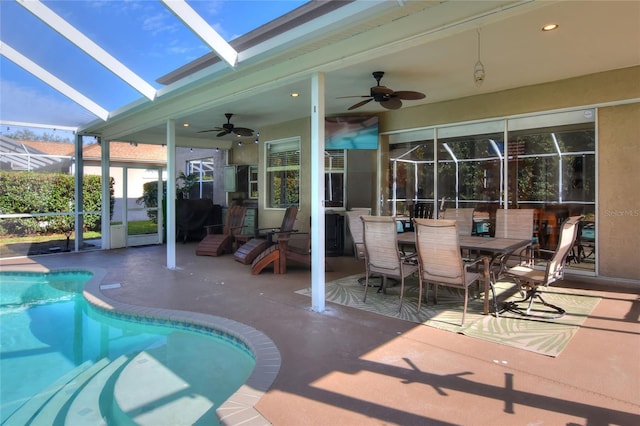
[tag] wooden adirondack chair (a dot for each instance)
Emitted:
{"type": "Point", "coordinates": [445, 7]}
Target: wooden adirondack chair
{"type": "Point", "coordinates": [291, 246]}
{"type": "Point", "coordinates": [252, 248]}
{"type": "Point", "coordinates": [219, 244]}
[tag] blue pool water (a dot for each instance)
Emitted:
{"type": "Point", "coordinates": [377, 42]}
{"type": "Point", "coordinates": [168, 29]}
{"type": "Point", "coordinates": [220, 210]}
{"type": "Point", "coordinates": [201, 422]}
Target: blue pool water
{"type": "Point", "coordinates": [63, 361]}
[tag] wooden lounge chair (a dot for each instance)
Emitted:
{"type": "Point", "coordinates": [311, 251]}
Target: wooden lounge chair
{"type": "Point", "coordinates": [291, 246]}
{"type": "Point", "coordinates": [219, 244]}
{"type": "Point", "coordinates": [252, 247]}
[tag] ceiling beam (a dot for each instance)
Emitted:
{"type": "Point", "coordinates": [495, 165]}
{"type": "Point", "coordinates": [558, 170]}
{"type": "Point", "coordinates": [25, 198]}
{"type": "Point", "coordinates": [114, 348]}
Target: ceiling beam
{"type": "Point", "coordinates": [76, 37]}
{"type": "Point", "coordinates": [202, 29]}
{"type": "Point", "coordinates": [53, 81]}
{"type": "Point", "coordinates": [38, 125]}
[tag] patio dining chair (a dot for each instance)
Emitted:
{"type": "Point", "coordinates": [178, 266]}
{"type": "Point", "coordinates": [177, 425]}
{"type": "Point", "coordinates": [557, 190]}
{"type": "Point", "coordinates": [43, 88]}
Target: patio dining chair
{"type": "Point", "coordinates": [517, 224]}
{"type": "Point", "coordinates": [382, 255]}
{"type": "Point", "coordinates": [463, 217]}
{"type": "Point", "coordinates": [531, 278]}
{"type": "Point", "coordinates": [356, 230]}
{"type": "Point", "coordinates": [440, 260]}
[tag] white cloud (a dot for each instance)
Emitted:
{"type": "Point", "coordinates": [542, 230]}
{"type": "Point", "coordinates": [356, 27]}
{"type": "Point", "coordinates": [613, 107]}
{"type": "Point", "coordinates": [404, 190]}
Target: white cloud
{"type": "Point", "coordinates": [159, 23]}
{"type": "Point", "coordinates": [26, 104]}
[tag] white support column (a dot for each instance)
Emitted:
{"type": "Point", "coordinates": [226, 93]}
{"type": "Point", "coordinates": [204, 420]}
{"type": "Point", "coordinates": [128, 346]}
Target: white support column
{"type": "Point", "coordinates": [106, 197]}
{"type": "Point", "coordinates": [317, 194]}
{"type": "Point", "coordinates": [160, 200]}
{"type": "Point", "coordinates": [170, 220]}
{"type": "Point", "coordinates": [78, 185]}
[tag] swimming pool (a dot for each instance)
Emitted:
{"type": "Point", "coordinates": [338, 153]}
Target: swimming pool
{"type": "Point", "coordinates": [65, 361]}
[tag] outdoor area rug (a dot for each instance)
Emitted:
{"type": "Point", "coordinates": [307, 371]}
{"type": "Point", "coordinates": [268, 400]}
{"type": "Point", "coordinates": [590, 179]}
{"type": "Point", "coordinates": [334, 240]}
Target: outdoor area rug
{"type": "Point", "coordinates": [544, 336]}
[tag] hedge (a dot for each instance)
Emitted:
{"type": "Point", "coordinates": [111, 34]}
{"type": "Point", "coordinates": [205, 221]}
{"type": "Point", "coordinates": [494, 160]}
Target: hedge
{"type": "Point", "coordinates": [30, 192]}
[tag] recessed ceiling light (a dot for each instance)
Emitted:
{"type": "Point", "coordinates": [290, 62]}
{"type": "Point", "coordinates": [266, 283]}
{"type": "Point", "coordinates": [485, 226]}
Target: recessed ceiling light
{"type": "Point", "coordinates": [295, 94]}
{"type": "Point", "coordinates": [550, 27]}
{"type": "Point", "coordinates": [185, 125]}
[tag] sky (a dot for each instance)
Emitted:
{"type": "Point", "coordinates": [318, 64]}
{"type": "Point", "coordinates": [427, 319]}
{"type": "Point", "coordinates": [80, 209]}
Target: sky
{"type": "Point", "coordinates": [142, 34]}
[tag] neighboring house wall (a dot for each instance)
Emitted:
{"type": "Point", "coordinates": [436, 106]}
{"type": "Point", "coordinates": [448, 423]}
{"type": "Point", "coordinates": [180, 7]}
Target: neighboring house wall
{"type": "Point", "coordinates": [219, 161]}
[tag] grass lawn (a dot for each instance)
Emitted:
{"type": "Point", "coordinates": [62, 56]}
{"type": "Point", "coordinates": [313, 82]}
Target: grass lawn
{"type": "Point", "coordinates": [53, 243]}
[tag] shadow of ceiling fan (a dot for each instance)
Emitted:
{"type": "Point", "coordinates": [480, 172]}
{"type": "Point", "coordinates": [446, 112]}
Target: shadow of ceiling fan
{"type": "Point", "coordinates": [228, 128]}
{"type": "Point", "coordinates": [385, 96]}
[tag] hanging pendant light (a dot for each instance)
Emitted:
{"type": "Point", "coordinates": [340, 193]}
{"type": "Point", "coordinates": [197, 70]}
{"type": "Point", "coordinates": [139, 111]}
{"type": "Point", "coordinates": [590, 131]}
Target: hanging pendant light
{"type": "Point", "coordinates": [478, 70]}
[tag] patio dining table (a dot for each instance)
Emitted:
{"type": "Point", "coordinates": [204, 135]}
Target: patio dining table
{"type": "Point", "coordinates": [497, 247]}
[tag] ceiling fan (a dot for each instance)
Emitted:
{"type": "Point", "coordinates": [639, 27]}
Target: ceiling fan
{"type": "Point", "coordinates": [387, 97]}
{"type": "Point", "coordinates": [228, 127]}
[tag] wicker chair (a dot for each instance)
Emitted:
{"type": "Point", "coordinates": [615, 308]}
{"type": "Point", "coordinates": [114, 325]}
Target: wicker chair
{"type": "Point", "coordinates": [440, 260]}
{"type": "Point", "coordinates": [382, 255]}
{"type": "Point", "coordinates": [529, 278]}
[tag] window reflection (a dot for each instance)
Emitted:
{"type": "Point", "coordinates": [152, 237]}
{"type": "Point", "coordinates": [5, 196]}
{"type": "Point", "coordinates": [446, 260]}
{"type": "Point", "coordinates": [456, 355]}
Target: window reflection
{"type": "Point", "coordinates": [547, 163]}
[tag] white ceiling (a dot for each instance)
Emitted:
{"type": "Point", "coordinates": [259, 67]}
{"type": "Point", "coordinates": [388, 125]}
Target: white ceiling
{"type": "Point", "coordinates": [430, 47]}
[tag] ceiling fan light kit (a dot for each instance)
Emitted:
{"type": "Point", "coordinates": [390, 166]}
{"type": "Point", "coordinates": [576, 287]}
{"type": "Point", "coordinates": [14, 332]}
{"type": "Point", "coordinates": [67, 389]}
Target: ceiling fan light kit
{"type": "Point", "coordinates": [478, 70]}
{"type": "Point", "coordinates": [386, 97]}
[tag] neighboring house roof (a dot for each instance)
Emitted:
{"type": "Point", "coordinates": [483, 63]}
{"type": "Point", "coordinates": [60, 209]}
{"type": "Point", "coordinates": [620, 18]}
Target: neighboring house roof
{"type": "Point", "coordinates": [24, 155]}
{"type": "Point", "coordinates": [50, 148]}
{"type": "Point", "coordinates": [123, 151]}
{"type": "Point", "coordinates": [119, 151]}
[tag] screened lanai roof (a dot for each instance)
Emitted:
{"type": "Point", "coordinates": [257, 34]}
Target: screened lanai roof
{"type": "Point", "coordinates": [141, 41]}
{"type": "Point", "coordinates": [429, 46]}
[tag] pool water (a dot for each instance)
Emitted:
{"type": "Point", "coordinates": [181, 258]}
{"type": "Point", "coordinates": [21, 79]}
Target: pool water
{"type": "Point", "coordinates": [64, 362]}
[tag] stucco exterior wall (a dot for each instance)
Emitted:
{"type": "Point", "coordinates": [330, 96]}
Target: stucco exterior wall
{"type": "Point", "coordinates": [618, 149]}
{"type": "Point", "coordinates": [302, 128]}
{"type": "Point", "coordinates": [618, 191]}
{"type": "Point", "coordinates": [618, 152]}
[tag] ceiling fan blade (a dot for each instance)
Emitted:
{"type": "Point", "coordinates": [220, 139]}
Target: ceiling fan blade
{"type": "Point", "coordinates": [359, 104]}
{"type": "Point", "coordinates": [381, 90]}
{"type": "Point", "coordinates": [225, 132]}
{"type": "Point", "coordinates": [215, 129]}
{"type": "Point", "coordinates": [356, 96]}
{"type": "Point", "coordinates": [409, 95]}
{"type": "Point", "coordinates": [242, 131]}
{"type": "Point", "coordinates": [393, 103]}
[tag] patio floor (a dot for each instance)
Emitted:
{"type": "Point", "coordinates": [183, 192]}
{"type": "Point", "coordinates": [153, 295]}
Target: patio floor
{"type": "Point", "coordinates": [349, 367]}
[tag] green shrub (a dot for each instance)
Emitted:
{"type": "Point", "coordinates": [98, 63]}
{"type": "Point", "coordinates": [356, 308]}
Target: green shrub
{"type": "Point", "coordinates": [30, 192]}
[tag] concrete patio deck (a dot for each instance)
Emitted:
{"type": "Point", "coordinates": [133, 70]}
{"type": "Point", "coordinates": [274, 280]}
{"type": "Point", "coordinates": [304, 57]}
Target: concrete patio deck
{"type": "Point", "coordinates": [350, 367]}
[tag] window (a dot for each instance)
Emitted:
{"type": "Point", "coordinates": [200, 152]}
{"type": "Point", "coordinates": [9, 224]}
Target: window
{"type": "Point", "coordinates": [544, 162]}
{"type": "Point", "coordinates": [282, 173]}
{"type": "Point", "coordinates": [470, 170]}
{"type": "Point", "coordinates": [410, 175]}
{"type": "Point", "coordinates": [253, 182]}
{"type": "Point", "coordinates": [203, 168]}
{"type": "Point", "coordinates": [334, 177]}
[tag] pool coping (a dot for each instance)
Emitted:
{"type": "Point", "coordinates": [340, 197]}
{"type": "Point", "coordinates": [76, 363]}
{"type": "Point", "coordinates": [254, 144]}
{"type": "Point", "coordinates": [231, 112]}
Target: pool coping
{"type": "Point", "coordinates": [239, 408]}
